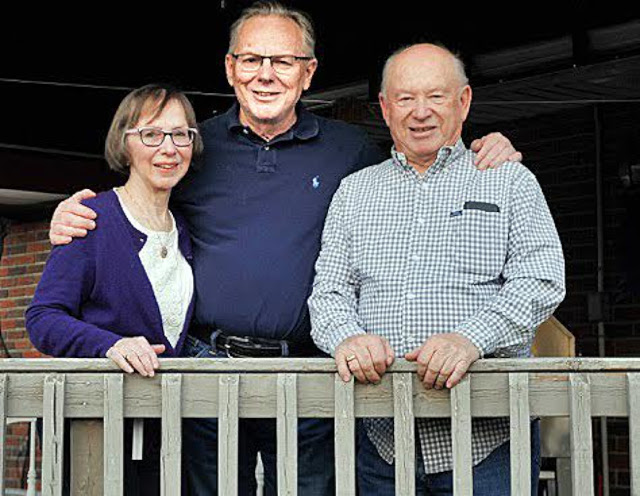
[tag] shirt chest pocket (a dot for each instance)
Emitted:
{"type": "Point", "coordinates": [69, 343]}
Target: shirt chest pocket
{"type": "Point", "coordinates": [479, 244]}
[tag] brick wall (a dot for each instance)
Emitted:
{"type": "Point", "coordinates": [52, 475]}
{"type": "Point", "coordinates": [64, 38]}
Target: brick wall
{"type": "Point", "coordinates": [25, 250]}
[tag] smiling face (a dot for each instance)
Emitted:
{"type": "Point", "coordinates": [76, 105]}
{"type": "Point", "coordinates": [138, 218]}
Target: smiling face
{"type": "Point", "coordinates": [424, 103]}
{"type": "Point", "coordinates": [268, 99]}
{"type": "Point", "coordinates": [159, 168]}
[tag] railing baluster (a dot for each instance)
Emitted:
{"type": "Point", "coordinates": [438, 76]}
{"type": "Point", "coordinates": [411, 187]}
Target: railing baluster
{"type": "Point", "coordinates": [345, 439]}
{"type": "Point", "coordinates": [287, 428]}
{"type": "Point", "coordinates": [404, 433]}
{"type": "Point", "coordinates": [113, 435]}
{"type": "Point", "coordinates": [53, 448]}
{"type": "Point", "coordinates": [461, 438]}
{"type": "Point", "coordinates": [228, 434]}
{"type": "Point", "coordinates": [520, 433]}
{"type": "Point", "coordinates": [633, 381]}
{"type": "Point", "coordinates": [171, 451]}
{"type": "Point", "coordinates": [3, 425]}
{"type": "Point", "coordinates": [581, 442]}
{"type": "Point", "coordinates": [32, 474]}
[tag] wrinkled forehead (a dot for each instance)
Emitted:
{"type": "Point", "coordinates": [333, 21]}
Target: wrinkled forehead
{"type": "Point", "coordinates": [269, 35]}
{"type": "Point", "coordinates": [419, 72]}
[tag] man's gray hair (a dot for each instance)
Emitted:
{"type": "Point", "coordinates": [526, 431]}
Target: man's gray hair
{"type": "Point", "coordinates": [268, 8]}
{"type": "Point", "coordinates": [457, 62]}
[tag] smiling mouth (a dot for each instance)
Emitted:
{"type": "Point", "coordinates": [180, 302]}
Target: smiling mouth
{"type": "Point", "coordinates": [265, 94]}
{"type": "Point", "coordinates": [166, 166]}
{"type": "Point", "coordinates": [421, 129]}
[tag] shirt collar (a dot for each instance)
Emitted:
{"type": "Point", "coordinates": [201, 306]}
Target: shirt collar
{"type": "Point", "coordinates": [447, 155]}
{"type": "Point", "coordinates": [305, 127]}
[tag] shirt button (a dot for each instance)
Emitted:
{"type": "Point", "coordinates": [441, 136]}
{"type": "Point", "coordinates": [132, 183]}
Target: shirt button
{"type": "Point", "coordinates": [425, 186]}
{"type": "Point", "coordinates": [141, 240]}
{"type": "Point", "coordinates": [415, 258]}
{"type": "Point", "coordinates": [245, 131]}
{"type": "Point", "coordinates": [266, 148]}
{"type": "Point", "coordinates": [420, 220]}
{"type": "Point", "coordinates": [410, 296]}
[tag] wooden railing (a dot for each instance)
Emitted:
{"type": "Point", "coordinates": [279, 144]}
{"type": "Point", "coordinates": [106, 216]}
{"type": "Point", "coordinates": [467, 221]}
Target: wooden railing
{"type": "Point", "coordinates": [287, 389]}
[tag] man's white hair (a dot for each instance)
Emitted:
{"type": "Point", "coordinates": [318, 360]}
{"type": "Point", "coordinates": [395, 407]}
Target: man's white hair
{"type": "Point", "coordinates": [268, 8]}
{"type": "Point", "coordinates": [457, 63]}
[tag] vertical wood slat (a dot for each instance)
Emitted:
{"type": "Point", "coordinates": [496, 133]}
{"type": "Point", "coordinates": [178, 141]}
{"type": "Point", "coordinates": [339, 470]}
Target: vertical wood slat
{"type": "Point", "coordinates": [113, 435]}
{"type": "Point", "coordinates": [53, 436]}
{"type": "Point", "coordinates": [581, 440]}
{"type": "Point", "coordinates": [520, 433]}
{"type": "Point", "coordinates": [633, 382]}
{"type": "Point", "coordinates": [287, 429]}
{"type": "Point", "coordinates": [461, 438]}
{"type": "Point", "coordinates": [404, 433]}
{"type": "Point", "coordinates": [3, 425]}
{"type": "Point", "coordinates": [228, 434]}
{"type": "Point", "coordinates": [345, 442]}
{"type": "Point", "coordinates": [171, 451]}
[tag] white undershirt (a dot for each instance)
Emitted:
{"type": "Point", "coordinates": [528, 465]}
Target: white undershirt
{"type": "Point", "coordinates": [171, 277]}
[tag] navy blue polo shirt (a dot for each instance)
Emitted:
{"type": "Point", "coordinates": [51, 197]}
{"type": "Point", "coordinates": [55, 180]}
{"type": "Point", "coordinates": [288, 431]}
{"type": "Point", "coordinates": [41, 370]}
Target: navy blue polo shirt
{"type": "Point", "coordinates": [255, 210]}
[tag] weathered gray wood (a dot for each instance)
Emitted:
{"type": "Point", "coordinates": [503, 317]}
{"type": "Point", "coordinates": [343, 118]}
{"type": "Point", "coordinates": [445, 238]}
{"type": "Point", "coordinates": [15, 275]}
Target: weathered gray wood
{"type": "Point", "coordinates": [53, 436]}
{"type": "Point", "coordinates": [87, 457]}
{"type": "Point", "coordinates": [287, 430]}
{"type": "Point", "coordinates": [3, 425]}
{"type": "Point", "coordinates": [228, 434]}
{"type": "Point", "coordinates": [113, 435]}
{"type": "Point", "coordinates": [404, 433]}
{"type": "Point", "coordinates": [520, 433]}
{"type": "Point", "coordinates": [581, 444]}
{"type": "Point", "coordinates": [345, 437]}
{"type": "Point", "coordinates": [171, 452]}
{"type": "Point", "coordinates": [634, 432]}
{"type": "Point", "coordinates": [310, 365]}
{"type": "Point", "coordinates": [549, 396]}
{"type": "Point", "coordinates": [461, 438]}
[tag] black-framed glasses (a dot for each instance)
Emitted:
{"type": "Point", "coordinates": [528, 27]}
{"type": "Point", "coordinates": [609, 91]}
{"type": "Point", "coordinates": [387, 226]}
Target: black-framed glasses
{"type": "Point", "coordinates": [154, 136]}
{"type": "Point", "coordinates": [282, 64]}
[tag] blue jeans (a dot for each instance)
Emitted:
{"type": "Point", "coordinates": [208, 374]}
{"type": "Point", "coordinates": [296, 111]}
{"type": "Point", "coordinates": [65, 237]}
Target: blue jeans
{"type": "Point", "coordinates": [491, 477]}
{"type": "Point", "coordinates": [200, 450]}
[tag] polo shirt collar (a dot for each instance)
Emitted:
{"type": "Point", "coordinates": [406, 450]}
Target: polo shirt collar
{"type": "Point", "coordinates": [305, 127]}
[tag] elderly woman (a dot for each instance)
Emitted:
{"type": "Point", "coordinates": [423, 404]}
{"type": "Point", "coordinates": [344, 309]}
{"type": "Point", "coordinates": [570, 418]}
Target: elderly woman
{"type": "Point", "coordinates": [126, 290]}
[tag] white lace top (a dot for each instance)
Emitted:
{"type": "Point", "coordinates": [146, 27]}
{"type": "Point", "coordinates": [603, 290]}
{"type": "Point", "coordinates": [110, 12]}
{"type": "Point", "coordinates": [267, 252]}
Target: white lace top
{"type": "Point", "coordinates": [171, 277]}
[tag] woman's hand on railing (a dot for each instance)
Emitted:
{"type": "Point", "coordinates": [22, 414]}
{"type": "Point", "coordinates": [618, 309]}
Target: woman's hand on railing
{"type": "Point", "coordinates": [136, 354]}
{"type": "Point", "coordinates": [366, 356]}
{"type": "Point", "coordinates": [443, 359]}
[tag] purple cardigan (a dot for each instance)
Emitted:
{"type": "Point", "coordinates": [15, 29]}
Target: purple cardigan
{"type": "Point", "coordinates": [94, 291]}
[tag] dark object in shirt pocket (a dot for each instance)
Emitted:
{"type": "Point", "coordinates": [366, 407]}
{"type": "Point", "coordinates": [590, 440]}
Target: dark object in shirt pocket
{"type": "Point", "coordinates": [485, 207]}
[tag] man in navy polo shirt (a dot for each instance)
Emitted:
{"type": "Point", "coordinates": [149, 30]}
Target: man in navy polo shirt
{"type": "Point", "coordinates": [255, 209]}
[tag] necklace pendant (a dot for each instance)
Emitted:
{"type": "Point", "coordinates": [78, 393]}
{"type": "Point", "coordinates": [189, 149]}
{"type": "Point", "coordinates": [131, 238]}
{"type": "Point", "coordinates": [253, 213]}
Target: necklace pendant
{"type": "Point", "coordinates": [163, 252]}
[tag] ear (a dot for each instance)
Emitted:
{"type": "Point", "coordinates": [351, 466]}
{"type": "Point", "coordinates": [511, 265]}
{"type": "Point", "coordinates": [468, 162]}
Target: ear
{"type": "Point", "coordinates": [309, 71]}
{"type": "Point", "coordinates": [229, 63]}
{"type": "Point", "coordinates": [465, 101]}
{"type": "Point", "coordinates": [384, 106]}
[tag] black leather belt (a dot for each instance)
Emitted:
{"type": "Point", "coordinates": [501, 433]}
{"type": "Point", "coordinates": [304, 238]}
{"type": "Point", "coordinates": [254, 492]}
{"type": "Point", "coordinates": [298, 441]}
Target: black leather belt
{"type": "Point", "coordinates": [251, 347]}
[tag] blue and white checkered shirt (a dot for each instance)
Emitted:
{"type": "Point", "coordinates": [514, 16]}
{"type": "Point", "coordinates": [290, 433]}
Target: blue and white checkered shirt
{"type": "Point", "coordinates": [407, 255]}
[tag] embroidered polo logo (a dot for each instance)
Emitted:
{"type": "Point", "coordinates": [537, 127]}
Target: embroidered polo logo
{"type": "Point", "coordinates": [315, 182]}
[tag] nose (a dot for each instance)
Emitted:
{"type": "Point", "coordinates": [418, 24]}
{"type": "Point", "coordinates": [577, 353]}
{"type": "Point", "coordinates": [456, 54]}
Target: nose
{"type": "Point", "coordinates": [167, 147]}
{"type": "Point", "coordinates": [266, 72]}
{"type": "Point", "coordinates": [422, 109]}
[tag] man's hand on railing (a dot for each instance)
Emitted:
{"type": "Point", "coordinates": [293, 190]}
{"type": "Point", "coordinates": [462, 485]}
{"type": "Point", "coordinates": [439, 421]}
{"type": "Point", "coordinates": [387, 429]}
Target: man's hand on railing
{"type": "Point", "coordinates": [72, 219]}
{"type": "Point", "coordinates": [366, 356]}
{"type": "Point", "coordinates": [136, 354]}
{"type": "Point", "coordinates": [443, 359]}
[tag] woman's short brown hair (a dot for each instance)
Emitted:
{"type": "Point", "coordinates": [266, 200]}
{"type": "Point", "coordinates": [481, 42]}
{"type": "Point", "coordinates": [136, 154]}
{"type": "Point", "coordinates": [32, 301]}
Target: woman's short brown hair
{"type": "Point", "coordinates": [128, 114]}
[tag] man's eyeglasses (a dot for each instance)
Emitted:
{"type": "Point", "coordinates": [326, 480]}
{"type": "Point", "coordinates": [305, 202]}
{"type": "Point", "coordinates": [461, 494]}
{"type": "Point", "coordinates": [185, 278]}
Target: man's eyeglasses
{"type": "Point", "coordinates": [282, 64]}
{"type": "Point", "coordinates": [154, 136]}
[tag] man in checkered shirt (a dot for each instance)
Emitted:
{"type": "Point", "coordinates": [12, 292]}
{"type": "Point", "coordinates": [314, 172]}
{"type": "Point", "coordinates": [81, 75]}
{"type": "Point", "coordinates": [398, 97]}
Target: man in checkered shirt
{"type": "Point", "coordinates": [426, 257]}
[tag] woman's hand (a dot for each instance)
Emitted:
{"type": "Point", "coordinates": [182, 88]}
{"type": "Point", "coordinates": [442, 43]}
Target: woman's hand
{"type": "Point", "coordinates": [136, 354]}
